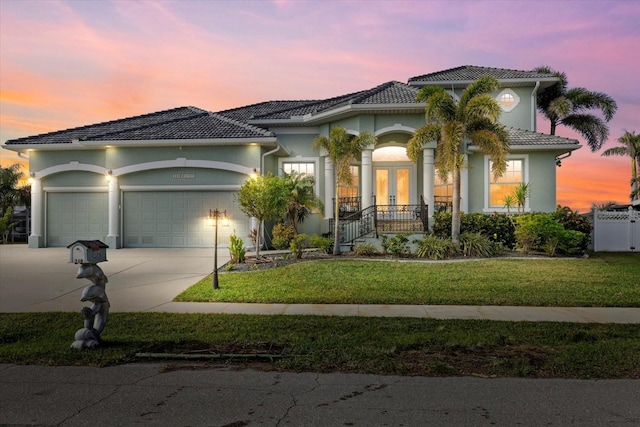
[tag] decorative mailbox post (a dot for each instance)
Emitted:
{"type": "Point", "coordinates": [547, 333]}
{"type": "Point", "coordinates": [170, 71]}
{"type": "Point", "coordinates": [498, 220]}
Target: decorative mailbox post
{"type": "Point", "coordinates": [88, 253]}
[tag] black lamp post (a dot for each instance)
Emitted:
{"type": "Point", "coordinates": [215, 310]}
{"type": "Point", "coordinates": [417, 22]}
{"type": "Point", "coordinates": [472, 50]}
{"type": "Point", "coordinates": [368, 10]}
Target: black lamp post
{"type": "Point", "coordinates": [214, 215]}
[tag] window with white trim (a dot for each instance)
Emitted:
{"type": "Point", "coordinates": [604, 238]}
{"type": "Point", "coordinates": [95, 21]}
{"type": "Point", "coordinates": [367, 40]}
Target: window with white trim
{"type": "Point", "coordinates": [505, 185]}
{"type": "Point", "coordinates": [303, 168]}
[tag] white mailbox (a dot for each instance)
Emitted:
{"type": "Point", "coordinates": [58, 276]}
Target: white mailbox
{"type": "Point", "coordinates": [87, 252]}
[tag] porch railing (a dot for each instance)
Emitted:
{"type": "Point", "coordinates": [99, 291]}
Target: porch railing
{"type": "Point", "coordinates": [381, 219]}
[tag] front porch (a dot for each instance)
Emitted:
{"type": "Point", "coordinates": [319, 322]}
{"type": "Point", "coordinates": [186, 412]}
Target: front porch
{"type": "Point", "coordinates": [355, 222]}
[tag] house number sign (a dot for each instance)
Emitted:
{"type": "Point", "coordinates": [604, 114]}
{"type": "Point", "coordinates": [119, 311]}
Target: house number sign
{"type": "Point", "coordinates": [184, 175]}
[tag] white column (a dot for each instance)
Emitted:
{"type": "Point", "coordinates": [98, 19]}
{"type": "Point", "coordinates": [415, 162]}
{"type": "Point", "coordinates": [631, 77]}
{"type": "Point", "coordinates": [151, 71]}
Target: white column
{"type": "Point", "coordinates": [113, 236]}
{"type": "Point", "coordinates": [464, 185]}
{"type": "Point", "coordinates": [329, 188]}
{"type": "Point", "coordinates": [35, 238]}
{"type": "Point", "coordinates": [428, 178]}
{"type": "Point", "coordinates": [367, 178]}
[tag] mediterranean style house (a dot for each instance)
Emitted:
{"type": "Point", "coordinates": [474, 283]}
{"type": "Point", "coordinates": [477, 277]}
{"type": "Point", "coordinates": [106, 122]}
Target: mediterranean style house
{"type": "Point", "coordinates": [151, 180]}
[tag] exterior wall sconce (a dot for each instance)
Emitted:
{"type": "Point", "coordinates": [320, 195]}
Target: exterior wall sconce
{"type": "Point", "coordinates": [216, 216]}
{"type": "Point", "coordinates": [108, 175]}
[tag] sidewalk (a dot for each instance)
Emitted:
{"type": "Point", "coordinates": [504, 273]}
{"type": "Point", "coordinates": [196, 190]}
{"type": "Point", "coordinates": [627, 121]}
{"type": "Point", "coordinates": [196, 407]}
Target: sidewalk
{"type": "Point", "coordinates": [40, 280]}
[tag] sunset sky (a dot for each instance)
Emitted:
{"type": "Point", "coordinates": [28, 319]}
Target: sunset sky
{"type": "Point", "coordinates": [71, 63]}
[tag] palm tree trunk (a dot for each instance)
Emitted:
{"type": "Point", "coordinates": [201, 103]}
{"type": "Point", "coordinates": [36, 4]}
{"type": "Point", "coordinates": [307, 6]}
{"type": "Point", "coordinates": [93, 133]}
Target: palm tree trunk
{"type": "Point", "coordinates": [455, 208]}
{"type": "Point", "coordinates": [634, 181]}
{"type": "Point", "coordinates": [336, 212]}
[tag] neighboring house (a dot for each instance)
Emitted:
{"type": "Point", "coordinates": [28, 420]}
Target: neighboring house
{"type": "Point", "coordinates": [150, 180]}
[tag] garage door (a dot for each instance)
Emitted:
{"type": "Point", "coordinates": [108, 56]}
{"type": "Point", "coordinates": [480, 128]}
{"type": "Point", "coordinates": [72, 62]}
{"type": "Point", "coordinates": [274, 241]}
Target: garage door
{"type": "Point", "coordinates": [76, 216]}
{"type": "Point", "coordinates": [165, 219]}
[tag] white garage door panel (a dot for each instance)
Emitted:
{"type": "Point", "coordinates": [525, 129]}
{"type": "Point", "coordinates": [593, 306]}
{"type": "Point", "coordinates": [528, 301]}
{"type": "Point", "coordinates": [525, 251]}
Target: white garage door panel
{"type": "Point", "coordinates": [178, 218]}
{"type": "Point", "coordinates": [76, 216]}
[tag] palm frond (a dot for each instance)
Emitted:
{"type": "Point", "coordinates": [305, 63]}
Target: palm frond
{"type": "Point", "coordinates": [584, 99]}
{"type": "Point", "coordinates": [592, 128]}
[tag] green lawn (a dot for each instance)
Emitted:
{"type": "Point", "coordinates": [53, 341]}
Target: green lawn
{"type": "Point", "coordinates": [602, 280]}
{"type": "Point", "coordinates": [396, 346]}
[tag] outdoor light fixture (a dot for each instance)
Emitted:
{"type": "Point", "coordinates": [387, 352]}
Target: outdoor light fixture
{"type": "Point", "coordinates": [214, 216]}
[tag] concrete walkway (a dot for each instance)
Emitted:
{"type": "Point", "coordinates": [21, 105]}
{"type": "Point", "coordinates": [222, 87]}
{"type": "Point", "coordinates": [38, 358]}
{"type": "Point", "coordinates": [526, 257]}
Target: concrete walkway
{"type": "Point", "coordinates": [38, 280]}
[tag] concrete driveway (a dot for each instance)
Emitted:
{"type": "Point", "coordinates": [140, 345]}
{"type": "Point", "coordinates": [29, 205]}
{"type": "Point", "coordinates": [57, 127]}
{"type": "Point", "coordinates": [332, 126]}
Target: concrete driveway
{"type": "Point", "coordinates": [42, 279]}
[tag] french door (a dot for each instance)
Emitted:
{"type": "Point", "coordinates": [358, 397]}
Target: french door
{"type": "Point", "coordinates": [394, 185]}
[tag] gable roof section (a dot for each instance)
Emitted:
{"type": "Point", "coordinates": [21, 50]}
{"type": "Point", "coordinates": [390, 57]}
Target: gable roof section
{"type": "Point", "coordinates": [466, 74]}
{"type": "Point", "coordinates": [388, 95]}
{"type": "Point", "coordinates": [179, 123]}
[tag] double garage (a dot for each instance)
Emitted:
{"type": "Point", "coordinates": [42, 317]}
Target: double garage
{"type": "Point", "coordinates": [148, 219]}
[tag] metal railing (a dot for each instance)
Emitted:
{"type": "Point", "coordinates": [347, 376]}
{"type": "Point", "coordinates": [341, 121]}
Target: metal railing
{"type": "Point", "coordinates": [381, 218]}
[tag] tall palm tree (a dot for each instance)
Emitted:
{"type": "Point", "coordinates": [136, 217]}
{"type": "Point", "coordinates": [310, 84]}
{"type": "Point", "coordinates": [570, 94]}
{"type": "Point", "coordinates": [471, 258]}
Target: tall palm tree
{"type": "Point", "coordinates": [302, 198]}
{"type": "Point", "coordinates": [452, 124]}
{"type": "Point", "coordinates": [630, 147]}
{"type": "Point", "coordinates": [568, 107]}
{"type": "Point", "coordinates": [343, 149]}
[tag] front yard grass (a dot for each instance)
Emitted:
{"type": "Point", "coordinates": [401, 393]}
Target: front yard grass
{"type": "Point", "coordinates": [602, 280]}
{"type": "Point", "coordinates": [386, 346]}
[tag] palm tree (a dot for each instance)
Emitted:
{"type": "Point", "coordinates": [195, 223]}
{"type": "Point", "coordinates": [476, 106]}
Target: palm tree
{"type": "Point", "coordinates": [452, 124]}
{"type": "Point", "coordinates": [630, 147]}
{"type": "Point", "coordinates": [343, 149]}
{"type": "Point", "coordinates": [10, 194]}
{"type": "Point", "coordinates": [302, 198]}
{"type": "Point", "coordinates": [568, 107]}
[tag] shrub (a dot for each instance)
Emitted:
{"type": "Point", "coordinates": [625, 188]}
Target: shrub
{"type": "Point", "coordinates": [283, 234]}
{"type": "Point", "coordinates": [298, 244]}
{"type": "Point", "coordinates": [476, 245]}
{"type": "Point", "coordinates": [236, 249]}
{"type": "Point", "coordinates": [397, 245]}
{"type": "Point", "coordinates": [366, 249]}
{"type": "Point", "coordinates": [573, 221]}
{"type": "Point", "coordinates": [540, 231]}
{"type": "Point", "coordinates": [434, 247]}
{"type": "Point", "coordinates": [323, 243]}
{"type": "Point", "coordinates": [497, 227]}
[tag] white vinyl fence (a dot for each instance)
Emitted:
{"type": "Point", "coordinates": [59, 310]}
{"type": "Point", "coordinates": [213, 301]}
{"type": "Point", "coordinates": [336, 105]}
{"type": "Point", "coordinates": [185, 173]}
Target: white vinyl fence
{"type": "Point", "coordinates": [616, 231]}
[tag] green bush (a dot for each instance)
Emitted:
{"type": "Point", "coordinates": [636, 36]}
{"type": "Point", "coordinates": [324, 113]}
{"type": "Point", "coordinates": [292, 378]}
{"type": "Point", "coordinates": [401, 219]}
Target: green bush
{"type": "Point", "coordinates": [366, 249]}
{"type": "Point", "coordinates": [236, 249]}
{"type": "Point", "coordinates": [434, 247]}
{"type": "Point", "coordinates": [573, 221]}
{"type": "Point", "coordinates": [397, 245]}
{"type": "Point", "coordinates": [283, 234]}
{"type": "Point", "coordinates": [476, 245]}
{"type": "Point", "coordinates": [323, 243]}
{"type": "Point", "coordinates": [497, 227]}
{"type": "Point", "coordinates": [298, 244]}
{"type": "Point", "coordinates": [541, 232]}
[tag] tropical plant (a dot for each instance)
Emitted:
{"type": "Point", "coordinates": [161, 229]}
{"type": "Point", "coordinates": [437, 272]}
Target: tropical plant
{"type": "Point", "coordinates": [453, 125]}
{"type": "Point", "coordinates": [521, 194]}
{"type": "Point", "coordinates": [264, 198]}
{"type": "Point", "coordinates": [569, 107]}
{"type": "Point", "coordinates": [366, 249]}
{"type": "Point", "coordinates": [476, 245]}
{"type": "Point", "coordinates": [10, 193]}
{"type": "Point", "coordinates": [433, 247]}
{"type": "Point", "coordinates": [236, 249]}
{"type": "Point", "coordinates": [302, 198]}
{"type": "Point", "coordinates": [630, 146]}
{"type": "Point", "coordinates": [509, 203]}
{"type": "Point", "coordinates": [282, 235]}
{"type": "Point", "coordinates": [6, 225]}
{"type": "Point", "coordinates": [397, 245]}
{"type": "Point", "coordinates": [342, 149]}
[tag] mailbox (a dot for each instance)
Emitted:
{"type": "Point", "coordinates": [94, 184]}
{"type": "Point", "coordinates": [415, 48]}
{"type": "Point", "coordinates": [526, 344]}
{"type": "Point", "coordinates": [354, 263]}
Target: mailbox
{"type": "Point", "coordinates": [87, 252]}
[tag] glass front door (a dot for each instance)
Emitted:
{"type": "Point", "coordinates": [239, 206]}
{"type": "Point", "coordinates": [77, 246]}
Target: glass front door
{"type": "Point", "coordinates": [393, 185]}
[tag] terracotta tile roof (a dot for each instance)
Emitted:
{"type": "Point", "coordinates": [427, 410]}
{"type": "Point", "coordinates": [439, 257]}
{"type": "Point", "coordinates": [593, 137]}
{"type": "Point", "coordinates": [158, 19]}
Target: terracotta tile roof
{"type": "Point", "coordinates": [467, 73]}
